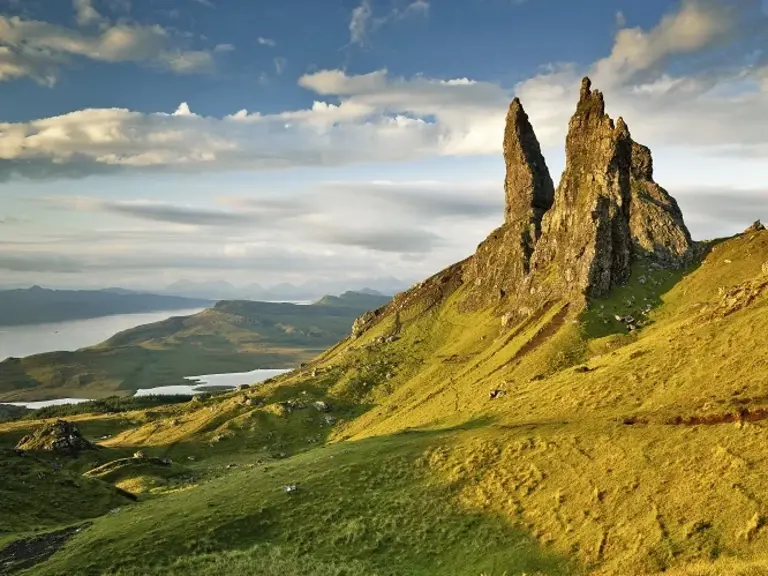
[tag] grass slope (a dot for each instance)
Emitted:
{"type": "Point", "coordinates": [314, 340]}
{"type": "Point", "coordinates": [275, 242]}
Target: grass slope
{"type": "Point", "coordinates": [607, 453]}
{"type": "Point", "coordinates": [233, 336]}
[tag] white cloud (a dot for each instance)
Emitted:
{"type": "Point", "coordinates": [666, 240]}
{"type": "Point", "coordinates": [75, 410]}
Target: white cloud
{"type": "Point", "coordinates": [341, 228]}
{"type": "Point", "coordinates": [266, 42]}
{"type": "Point", "coordinates": [224, 48]}
{"type": "Point", "coordinates": [419, 7]}
{"type": "Point", "coordinates": [38, 49]}
{"type": "Point", "coordinates": [362, 20]}
{"type": "Point", "coordinates": [378, 118]}
{"type": "Point", "coordinates": [280, 64]}
{"type": "Point", "coordinates": [697, 25]}
{"type": "Point", "coordinates": [85, 13]}
{"type": "Point", "coordinates": [359, 22]}
{"type": "Point", "coordinates": [183, 110]}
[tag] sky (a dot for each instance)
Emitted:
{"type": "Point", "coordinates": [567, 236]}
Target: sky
{"type": "Point", "coordinates": [268, 141]}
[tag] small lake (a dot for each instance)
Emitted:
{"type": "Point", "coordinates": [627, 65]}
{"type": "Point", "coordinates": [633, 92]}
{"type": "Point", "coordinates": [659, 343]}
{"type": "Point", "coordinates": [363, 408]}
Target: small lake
{"type": "Point", "coordinates": [199, 384]}
{"type": "Point", "coordinates": [204, 382]}
{"type": "Point", "coordinates": [20, 341]}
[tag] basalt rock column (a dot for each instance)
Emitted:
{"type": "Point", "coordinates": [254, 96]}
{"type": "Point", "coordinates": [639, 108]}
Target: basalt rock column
{"type": "Point", "coordinates": [502, 260]}
{"type": "Point", "coordinates": [585, 244]}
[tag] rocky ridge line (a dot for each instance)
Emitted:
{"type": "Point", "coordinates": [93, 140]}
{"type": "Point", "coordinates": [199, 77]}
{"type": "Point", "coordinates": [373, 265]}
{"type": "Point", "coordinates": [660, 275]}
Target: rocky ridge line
{"type": "Point", "coordinates": [574, 242]}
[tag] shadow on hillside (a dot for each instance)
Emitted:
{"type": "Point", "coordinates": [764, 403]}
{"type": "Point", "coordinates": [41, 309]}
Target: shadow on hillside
{"type": "Point", "coordinates": [377, 501]}
{"type": "Point", "coordinates": [627, 308]}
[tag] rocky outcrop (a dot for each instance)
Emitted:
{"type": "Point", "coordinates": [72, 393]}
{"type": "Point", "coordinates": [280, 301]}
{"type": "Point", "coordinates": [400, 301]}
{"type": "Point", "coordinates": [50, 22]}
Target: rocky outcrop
{"type": "Point", "coordinates": [655, 220]}
{"type": "Point", "coordinates": [503, 259]}
{"type": "Point", "coordinates": [572, 243]}
{"type": "Point", "coordinates": [61, 437]}
{"type": "Point", "coordinates": [756, 227]}
{"type": "Point", "coordinates": [419, 299]}
{"type": "Point", "coordinates": [585, 244]}
{"type": "Point", "coordinates": [608, 210]}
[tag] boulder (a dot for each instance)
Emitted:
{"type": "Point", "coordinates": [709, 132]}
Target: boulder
{"type": "Point", "coordinates": [756, 227]}
{"type": "Point", "coordinates": [60, 437]}
{"type": "Point", "coordinates": [322, 406]}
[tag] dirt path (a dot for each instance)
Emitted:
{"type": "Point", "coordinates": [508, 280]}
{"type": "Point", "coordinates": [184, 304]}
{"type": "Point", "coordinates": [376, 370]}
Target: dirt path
{"type": "Point", "coordinates": [29, 552]}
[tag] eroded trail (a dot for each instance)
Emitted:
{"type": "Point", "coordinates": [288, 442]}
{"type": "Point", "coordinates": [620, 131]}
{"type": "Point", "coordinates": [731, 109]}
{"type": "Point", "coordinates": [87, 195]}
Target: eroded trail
{"type": "Point", "coordinates": [29, 552]}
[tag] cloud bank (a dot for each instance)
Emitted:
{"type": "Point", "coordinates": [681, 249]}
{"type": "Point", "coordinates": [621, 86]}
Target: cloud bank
{"type": "Point", "coordinates": [39, 49]}
{"type": "Point", "coordinates": [714, 116]}
{"type": "Point", "coordinates": [378, 117]}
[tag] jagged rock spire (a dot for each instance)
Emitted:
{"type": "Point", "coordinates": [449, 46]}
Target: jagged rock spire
{"type": "Point", "coordinates": [528, 187]}
{"type": "Point", "coordinates": [586, 234]}
{"type": "Point", "coordinates": [566, 244]}
{"type": "Point", "coordinates": [607, 210]}
{"type": "Point", "coordinates": [502, 261]}
{"type": "Point", "coordinates": [583, 237]}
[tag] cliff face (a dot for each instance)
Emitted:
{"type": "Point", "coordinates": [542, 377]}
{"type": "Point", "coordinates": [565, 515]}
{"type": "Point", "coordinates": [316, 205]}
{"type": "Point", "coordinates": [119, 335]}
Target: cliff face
{"type": "Point", "coordinates": [586, 245]}
{"type": "Point", "coordinates": [577, 241]}
{"type": "Point", "coordinates": [503, 259]}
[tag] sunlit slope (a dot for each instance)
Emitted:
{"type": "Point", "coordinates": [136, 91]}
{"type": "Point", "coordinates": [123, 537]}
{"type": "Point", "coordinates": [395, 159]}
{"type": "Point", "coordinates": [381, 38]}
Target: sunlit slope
{"type": "Point", "coordinates": [618, 454]}
{"type": "Point", "coordinates": [633, 452]}
{"type": "Point", "coordinates": [699, 353]}
{"type": "Point", "coordinates": [586, 394]}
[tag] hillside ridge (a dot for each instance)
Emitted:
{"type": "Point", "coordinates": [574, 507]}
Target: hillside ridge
{"type": "Point", "coordinates": [571, 243]}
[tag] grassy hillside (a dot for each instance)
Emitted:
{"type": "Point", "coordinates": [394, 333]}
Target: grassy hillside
{"type": "Point", "coordinates": [233, 336]}
{"type": "Point", "coordinates": [38, 305]}
{"type": "Point", "coordinates": [606, 452]}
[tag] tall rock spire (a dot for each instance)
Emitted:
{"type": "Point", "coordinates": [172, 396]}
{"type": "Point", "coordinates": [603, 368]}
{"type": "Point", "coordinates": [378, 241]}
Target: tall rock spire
{"type": "Point", "coordinates": [528, 187]}
{"type": "Point", "coordinates": [586, 234]}
{"type": "Point", "coordinates": [568, 244]}
{"type": "Point", "coordinates": [502, 261]}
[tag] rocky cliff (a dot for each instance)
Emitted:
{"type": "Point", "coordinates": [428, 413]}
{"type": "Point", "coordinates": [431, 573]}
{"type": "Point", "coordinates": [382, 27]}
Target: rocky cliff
{"type": "Point", "coordinates": [572, 243]}
{"type": "Point", "coordinates": [503, 259]}
{"type": "Point", "coordinates": [608, 211]}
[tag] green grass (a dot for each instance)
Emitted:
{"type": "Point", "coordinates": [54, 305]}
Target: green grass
{"type": "Point", "coordinates": [608, 454]}
{"type": "Point", "coordinates": [369, 505]}
{"type": "Point", "coordinates": [262, 559]}
{"type": "Point", "coordinates": [34, 496]}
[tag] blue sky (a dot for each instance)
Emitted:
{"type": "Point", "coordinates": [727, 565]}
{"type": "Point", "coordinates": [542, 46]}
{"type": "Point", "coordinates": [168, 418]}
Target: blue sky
{"type": "Point", "coordinates": [263, 141]}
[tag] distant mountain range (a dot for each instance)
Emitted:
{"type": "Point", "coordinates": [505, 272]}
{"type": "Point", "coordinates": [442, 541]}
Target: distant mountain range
{"type": "Point", "coordinates": [38, 305]}
{"type": "Point", "coordinates": [223, 290]}
{"type": "Point", "coordinates": [284, 292]}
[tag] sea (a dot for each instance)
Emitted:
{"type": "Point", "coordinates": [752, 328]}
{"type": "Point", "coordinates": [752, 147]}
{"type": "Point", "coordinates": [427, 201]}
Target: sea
{"type": "Point", "coordinates": [20, 341]}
